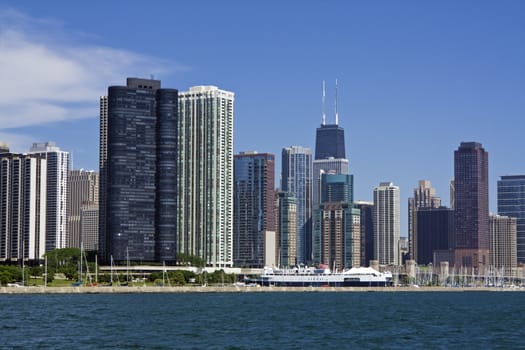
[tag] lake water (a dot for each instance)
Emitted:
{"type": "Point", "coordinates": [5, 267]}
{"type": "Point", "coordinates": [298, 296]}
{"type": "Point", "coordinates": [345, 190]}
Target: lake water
{"type": "Point", "coordinates": [373, 320]}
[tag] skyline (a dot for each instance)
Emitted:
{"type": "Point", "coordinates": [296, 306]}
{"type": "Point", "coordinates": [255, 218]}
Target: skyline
{"type": "Point", "coordinates": [419, 78]}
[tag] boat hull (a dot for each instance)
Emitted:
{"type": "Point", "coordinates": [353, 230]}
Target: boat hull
{"type": "Point", "coordinates": [263, 282]}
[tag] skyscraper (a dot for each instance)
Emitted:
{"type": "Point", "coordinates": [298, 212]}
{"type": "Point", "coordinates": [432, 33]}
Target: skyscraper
{"type": "Point", "coordinates": [325, 166]}
{"type": "Point", "coordinates": [296, 177]}
{"type": "Point", "coordinates": [471, 183]}
{"type": "Point", "coordinates": [424, 197]}
{"type": "Point", "coordinates": [89, 226]}
{"type": "Point", "coordinates": [23, 205]}
{"type": "Point", "coordinates": [103, 237]}
{"type": "Point", "coordinates": [253, 206]}
{"type": "Point", "coordinates": [435, 231]}
{"type": "Point", "coordinates": [204, 174]}
{"type": "Point", "coordinates": [329, 152]}
{"type": "Point", "coordinates": [386, 223]}
{"type": "Point", "coordinates": [83, 191]}
{"type": "Point", "coordinates": [330, 138]}
{"type": "Point", "coordinates": [137, 172]}
{"type": "Point", "coordinates": [503, 242]}
{"type": "Point", "coordinates": [330, 142]}
{"type": "Point", "coordinates": [287, 229]}
{"type": "Point", "coordinates": [336, 240]}
{"type": "Point", "coordinates": [511, 202]}
{"type": "Point", "coordinates": [56, 207]}
{"type": "Point", "coordinates": [366, 222]}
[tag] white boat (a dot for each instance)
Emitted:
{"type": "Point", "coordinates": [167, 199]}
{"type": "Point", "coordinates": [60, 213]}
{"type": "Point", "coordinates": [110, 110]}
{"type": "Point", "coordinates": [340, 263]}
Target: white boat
{"type": "Point", "coordinates": [317, 277]}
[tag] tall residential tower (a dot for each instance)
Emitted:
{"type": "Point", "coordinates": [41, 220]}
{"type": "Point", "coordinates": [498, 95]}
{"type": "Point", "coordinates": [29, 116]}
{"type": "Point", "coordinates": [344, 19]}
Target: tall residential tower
{"type": "Point", "coordinates": [253, 206]}
{"type": "Point", "coordinates": [83, 192]}
{"type": "Point", "coordinates": [296, 177]}
{"type": "Point", "coordinates": [56, 213]}
{"type": "Point", "coordinates": [511, 202]}
{"type": "Point", "coordinates": [23, 205]}
{"type": "Point", "coordinates": [204, 174]}
{"type": "Point", "coordinates": [137, 172]}
{"type": "Point", "coordinates": [386, 223]}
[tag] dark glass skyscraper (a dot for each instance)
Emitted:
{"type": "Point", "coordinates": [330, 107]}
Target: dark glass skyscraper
{"type": "Point", "coordinates": [330, 142]}
{"type": "Point", "coordinates": [137, 169]}
{"type": "Point", "coordinates": [367, 231]}
{"type": "Point", "coordinates": [435, 231]}
{"type": "Point", "coordinates": [471, 180]}
{"type": "Point", "coordinates": [511, 202]}
{"type": "Point", "coordinates": [253, 206]}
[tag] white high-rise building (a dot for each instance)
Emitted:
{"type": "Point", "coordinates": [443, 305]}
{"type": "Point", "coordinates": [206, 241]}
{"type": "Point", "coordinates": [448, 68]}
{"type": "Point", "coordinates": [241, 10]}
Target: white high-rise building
{"type": "Point", "coordinates": [503, 251]}
{"type": "Point", "coordinates": [204, 174]}
{"type": "Point", "coordinates": [23, 199]}
{"type": "Point", "coordinates": [386, 223]}
{"type": "Point", "coordinates": [57, 172]}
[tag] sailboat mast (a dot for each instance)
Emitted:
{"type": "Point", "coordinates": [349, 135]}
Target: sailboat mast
{"type": "Point", "coordinates": [45, 272]}
{"type": "Point", "coordinates": [81, 251]}
{"type": "Point", "coordinates": [127, 264]}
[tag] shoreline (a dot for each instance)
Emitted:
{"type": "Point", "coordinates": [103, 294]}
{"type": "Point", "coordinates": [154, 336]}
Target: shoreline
{"type": "Point", "coordinates": [238, 289]}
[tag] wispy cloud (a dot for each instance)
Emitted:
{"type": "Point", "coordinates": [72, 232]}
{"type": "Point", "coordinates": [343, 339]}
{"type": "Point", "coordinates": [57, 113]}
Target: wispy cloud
{"type": "Point", "coordinates": [48, 76]}
{"type": "Point", "coordinates": [17, 143]}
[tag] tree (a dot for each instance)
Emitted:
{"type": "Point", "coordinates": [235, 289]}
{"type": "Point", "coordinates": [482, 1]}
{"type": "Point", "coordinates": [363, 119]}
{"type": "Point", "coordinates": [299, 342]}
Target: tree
{"type": "Point", "coordinates": [184, 259]}
{"type": "Point", "coordinates": [177, 277]}
{"type": "Point", "coordinates": [61, 260]}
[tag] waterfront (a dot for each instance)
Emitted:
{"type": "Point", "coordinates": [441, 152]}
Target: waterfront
{"type": "Point", "coordinates": [263, 320]}
{"type": "Point", "coordinates": [240, 289]}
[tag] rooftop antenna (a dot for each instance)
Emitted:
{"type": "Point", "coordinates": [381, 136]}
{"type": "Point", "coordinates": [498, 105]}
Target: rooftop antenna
{"type": "Point", "coordinates": [336, 114]}
{"type": "Point", "coordinates": [324, 95]}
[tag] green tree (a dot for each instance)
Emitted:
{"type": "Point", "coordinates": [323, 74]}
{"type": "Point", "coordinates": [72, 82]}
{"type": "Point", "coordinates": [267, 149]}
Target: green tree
{"type": "Point", "coordinates": [6, 277]}
{"type": "Point", "coordinates": [177, 278]}
{"type": "Point", "coordinates": [50, 275]}
{"type": "Point", "coordinates": [36, 271]}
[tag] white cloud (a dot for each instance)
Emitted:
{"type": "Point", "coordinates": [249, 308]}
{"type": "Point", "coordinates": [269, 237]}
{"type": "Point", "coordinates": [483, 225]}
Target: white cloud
{"type": "Point", "coordinates": [16, 143]}
{"type": "Point", "coordinates": [47, 79]}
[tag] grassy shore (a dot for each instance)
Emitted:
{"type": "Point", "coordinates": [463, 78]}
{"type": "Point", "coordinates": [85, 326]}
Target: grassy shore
{"type": "Point", "coordinates": [235, 289]}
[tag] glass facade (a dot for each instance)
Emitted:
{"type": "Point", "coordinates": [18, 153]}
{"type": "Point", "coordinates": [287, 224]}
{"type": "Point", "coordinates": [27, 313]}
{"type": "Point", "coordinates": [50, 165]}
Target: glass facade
{"type": "Point", "coordinates": [253, 207]}
{"type": "Point", "coordinates": [337, 188]}
{"type": "Point", "coordinates": [511, 202]}
{"type": "Point", "coordinates": [139, 172]}
{"type": "Point", "coordinates": [287, 229]}
{"type": "Point", "coordinates": [435, 231]}
{"type": "Point", "coordinates": [330, 142]}
{"type": "Point", "coordinates": [296, 177]}
{"type": "Point", "coordinates": [325, 166]}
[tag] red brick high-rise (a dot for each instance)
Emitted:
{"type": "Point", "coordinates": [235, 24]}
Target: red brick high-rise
{"type": "Point", "coordinates": [471, 180]}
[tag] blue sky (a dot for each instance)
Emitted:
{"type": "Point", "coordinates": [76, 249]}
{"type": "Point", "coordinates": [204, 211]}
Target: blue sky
{"type": "Point", "coordinates": [415, 77]}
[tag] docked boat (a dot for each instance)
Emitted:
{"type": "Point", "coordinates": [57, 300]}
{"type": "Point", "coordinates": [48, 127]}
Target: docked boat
{"type": "Point", "coordinates": [321, 277]}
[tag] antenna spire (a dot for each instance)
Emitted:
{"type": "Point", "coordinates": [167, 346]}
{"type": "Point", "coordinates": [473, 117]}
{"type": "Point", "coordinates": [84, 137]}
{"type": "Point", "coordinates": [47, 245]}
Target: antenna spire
{"type": "Point", "coordinates": [336, 114]}
{"type": "Point", "coordinates": [324, 95]}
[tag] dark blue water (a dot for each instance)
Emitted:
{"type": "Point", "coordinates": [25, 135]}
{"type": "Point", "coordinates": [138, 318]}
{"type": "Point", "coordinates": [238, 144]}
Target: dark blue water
{"type": "Point", "coordinates": [374, 320]}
